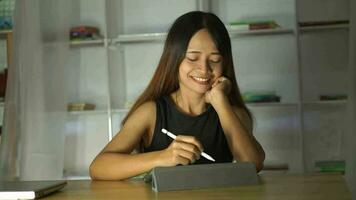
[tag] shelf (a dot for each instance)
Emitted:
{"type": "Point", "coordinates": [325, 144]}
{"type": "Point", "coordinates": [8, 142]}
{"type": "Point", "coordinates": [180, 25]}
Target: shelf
{"type": "Point", "coordinates": [324, 27]}
{"type": "Point", "coordinates": [4, 32]}
{"type": "Point", "coordinates": [98, 112]}
{"type": "Point", "coordinates": [277, 31]}
{"type": "Point", "coordinates": [81, 43]}
{"type": "Point", "coordinates": [144, 37]}
{"type": "Point", "coordinates": [88, 112]}
{"type": "Point", "coordinates": [272, 104]}
{"type": "Point", "coordinates": [331, 102]}
{"type": "Point", "coordinates": [159, 37]}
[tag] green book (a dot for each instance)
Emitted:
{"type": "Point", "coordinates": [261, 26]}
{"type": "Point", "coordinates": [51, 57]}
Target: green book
{"type": "Point", "coordinates": [331, 166]}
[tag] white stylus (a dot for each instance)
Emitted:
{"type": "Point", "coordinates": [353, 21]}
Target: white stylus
{"type": "Point", "coordinates": [171, 135]}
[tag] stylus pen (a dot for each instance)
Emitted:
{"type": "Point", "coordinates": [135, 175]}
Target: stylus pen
{"type": "Point", "coordinates": [171, 135]}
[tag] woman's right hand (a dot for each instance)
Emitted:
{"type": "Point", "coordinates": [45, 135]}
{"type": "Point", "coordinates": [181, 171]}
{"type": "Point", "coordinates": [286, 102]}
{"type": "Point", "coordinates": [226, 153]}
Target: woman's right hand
{"type": "Point", "coordinates": [182, 151]}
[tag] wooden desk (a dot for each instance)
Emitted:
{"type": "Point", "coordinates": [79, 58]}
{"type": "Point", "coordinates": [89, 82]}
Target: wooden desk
{"type": "Point", "coordinates": [331, 186]}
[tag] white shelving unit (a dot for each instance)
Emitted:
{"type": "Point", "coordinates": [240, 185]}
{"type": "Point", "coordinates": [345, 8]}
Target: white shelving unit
{"type": "Point", "coordinates": [324, 66]}
{"type": "Point", "coordinates": [87, 132]}
{"type": "Point", "coordinates": [115, 70]}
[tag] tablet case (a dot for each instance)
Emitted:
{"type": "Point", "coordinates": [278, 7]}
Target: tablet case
{"type": "Point", "coordinates": [203, 176]}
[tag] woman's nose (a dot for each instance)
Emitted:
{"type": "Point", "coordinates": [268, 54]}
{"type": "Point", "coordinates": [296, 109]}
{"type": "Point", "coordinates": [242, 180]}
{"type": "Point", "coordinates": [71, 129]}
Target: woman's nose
{"type": "Point", "coordinates": [204, 66]}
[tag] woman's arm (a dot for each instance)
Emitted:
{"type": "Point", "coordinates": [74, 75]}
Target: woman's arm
{"type": "Point", "coordinates": [237, 127]}
{"type": "Point", "coordinates": [116, 162]}
{"type": "Point", "coordinates": [238, 131]}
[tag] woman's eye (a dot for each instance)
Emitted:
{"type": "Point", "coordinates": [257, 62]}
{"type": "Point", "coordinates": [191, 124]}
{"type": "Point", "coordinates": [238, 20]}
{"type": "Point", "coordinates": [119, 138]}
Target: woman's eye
{"type": "Point", "coordinates": [192, 59]}
{"type": "Point", "coordinates": [215, 61]}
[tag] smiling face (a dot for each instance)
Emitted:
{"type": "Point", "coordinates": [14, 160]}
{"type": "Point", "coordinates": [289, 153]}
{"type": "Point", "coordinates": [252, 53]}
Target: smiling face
{"type": "Point", "coordinates": [202, 63]}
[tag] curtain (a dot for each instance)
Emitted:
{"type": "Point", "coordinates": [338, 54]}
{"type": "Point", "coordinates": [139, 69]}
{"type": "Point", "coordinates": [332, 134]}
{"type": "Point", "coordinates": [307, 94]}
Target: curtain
{"type": "Point", "coordinates": [32, 145]}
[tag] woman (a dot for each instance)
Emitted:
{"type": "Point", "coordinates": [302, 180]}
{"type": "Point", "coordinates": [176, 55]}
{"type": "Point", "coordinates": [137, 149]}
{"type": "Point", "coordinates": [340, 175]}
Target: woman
{"type": "Point", "coordinates": [194, 94]}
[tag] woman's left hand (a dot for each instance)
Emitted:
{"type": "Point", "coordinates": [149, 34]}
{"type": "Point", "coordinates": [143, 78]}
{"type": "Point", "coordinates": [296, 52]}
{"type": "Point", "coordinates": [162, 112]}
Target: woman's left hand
{"type": "Point", "coordinates": [219, 90]}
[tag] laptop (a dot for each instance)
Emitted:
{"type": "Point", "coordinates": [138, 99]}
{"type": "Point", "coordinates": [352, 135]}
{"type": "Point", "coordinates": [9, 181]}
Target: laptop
{"type": "Point", "coordinates": [28, 189]}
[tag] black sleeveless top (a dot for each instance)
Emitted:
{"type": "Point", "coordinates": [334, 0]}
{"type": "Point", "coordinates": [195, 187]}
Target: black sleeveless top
{"type": "Point", "coordinates": [205, 127]}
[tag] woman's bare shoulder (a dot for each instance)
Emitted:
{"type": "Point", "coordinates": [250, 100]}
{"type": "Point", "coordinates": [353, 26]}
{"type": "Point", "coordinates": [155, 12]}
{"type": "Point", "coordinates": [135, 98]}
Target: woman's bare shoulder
{"type": "Point", "coordinates": [147, 108]}
{"type": "Point", "coordinates": [137, 126]}
{"type": "Point", "coordinates": [144, 114]}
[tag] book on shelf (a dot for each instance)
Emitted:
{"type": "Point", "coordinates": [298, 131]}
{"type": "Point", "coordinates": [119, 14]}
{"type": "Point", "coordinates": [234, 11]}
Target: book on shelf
{"type": "Point", "coordinates": [84, 33]}
{"type": "Point", "coordinates": [253, 25]}
{"type": "Point", "coordinates": [260, 97]}
{"type": "Point", "coordinates": [5, 23]}
{"type": "Point", "coordinates": [3, 81]}
{"type": "Point", "coordinates": [333, 97]}
{"type": "Point", "coordinates": [80, 106]}
{"type": "Point", "coordinates": [330, 166]}
{"type": "Point", "coordinates": [323, 23]}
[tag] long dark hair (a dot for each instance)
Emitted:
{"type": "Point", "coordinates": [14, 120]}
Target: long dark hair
{"type": "Point", "coordinates": [165, 79]}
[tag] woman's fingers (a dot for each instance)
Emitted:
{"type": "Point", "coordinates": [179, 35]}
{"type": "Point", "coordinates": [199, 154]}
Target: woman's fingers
{"type": "Point", "coordinates": [190, 140]}
{"type": "Point", "coordinates": [222, 83]}
{"type": "Point", "coordinates": [194, 151]}
{"type": "Point", "coordinates": [183, 150]}
{"type": "Point", "coordinates": [216, 82]}
{"type": "Point", "coordinates": [184, 157]}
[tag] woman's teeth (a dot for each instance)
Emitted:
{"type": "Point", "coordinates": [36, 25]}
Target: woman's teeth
{"type": "Point", "coordinates": [201, 79]}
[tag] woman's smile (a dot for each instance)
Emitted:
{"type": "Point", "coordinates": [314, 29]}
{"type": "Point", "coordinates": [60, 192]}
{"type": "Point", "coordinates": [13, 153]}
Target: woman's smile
{"type": "Point", "coordinates": [201, 80]}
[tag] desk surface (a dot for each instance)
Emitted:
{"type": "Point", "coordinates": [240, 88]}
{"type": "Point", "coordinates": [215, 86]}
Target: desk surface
{"type": "Point", "coordinates": [316, 186]}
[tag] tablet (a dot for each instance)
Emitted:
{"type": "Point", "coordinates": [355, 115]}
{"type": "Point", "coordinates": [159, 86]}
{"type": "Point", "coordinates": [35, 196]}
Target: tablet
{"type": "Point", "coordinates": [28, 189]}
{"type": "Point", "coordinates": [204, 176]}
